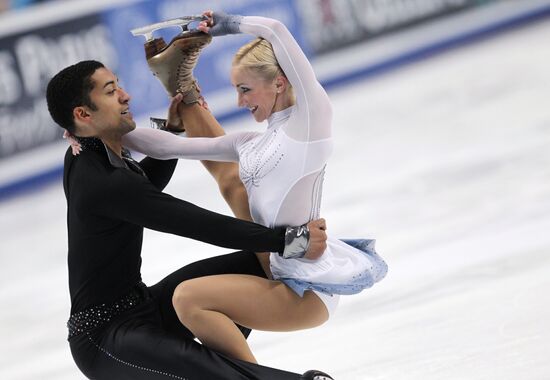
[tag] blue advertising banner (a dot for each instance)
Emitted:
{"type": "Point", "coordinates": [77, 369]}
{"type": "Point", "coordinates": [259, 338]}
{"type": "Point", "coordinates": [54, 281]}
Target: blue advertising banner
{"type": "Point", "coordinates": [332, 24]}
{"type": "Point", "coordinates": [28, 60]}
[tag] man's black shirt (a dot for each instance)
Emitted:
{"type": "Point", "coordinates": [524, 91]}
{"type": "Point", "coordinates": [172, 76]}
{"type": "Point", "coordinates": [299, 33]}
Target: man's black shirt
{"type": "Point", "coordinates": [109, 203]}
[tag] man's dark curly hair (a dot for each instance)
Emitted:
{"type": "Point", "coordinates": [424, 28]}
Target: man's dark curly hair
{"type": "Point", "coordinates": [71, 88]}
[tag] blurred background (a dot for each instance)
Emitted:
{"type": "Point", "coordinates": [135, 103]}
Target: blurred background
{"type": "Point", "coordinates": [346, 40]}
{"type": "Point", "coordinates": [442, 128]}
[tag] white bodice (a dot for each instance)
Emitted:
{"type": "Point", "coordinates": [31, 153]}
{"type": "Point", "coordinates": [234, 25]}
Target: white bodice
{"type": "Point", "coordinates": [282, 176]}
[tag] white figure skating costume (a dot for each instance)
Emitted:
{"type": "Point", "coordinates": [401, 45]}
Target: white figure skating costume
{"type": "Point", "coordinates": [282, 170]}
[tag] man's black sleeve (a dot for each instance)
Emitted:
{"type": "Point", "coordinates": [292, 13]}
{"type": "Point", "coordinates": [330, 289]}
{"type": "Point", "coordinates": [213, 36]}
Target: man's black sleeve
{"type": "Point", "coordinates": [159, 172]}
{"type": "Point", "coordinates": [124, 195]}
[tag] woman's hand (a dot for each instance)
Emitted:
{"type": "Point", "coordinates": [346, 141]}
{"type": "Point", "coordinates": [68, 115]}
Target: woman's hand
{"type": "Point", "coordinates": [75, 145]}
{"type": "Point", "coordinates": [220, 23]}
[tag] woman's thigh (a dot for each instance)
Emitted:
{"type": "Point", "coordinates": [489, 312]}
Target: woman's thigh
{"type": "Point", "coordinates": [235, 263]}
{"type": "Point", "coordinates": [254, 302]}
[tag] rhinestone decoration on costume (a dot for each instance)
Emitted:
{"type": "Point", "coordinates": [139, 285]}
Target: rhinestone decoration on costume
{"type": "Point", "coordinates": [254, 164]}
{"type": "Point", "coordinates": [96, 316]}
{"type": "Point", "coordinates": [92, 143]}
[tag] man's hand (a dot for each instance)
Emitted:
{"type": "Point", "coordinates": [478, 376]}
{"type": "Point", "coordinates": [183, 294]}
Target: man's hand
{"type": "Point", "coordinates": [317, 239]}
{"type": "Point", "coordinates": [308, 240]}
{"type": "Point", "coordinates": [173, 121]}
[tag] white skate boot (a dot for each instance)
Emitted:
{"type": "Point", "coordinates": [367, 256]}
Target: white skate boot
{"type": "Point", "coordinates": [173, 64]}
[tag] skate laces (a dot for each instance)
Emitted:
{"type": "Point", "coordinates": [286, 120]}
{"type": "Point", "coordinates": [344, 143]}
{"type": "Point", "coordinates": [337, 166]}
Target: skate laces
{"type": "Point", "coordinates": [184, 71]}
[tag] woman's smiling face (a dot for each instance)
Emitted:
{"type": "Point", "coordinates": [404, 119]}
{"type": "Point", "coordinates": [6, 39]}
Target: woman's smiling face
{"type": "Point", "coordinates": [254, 93]}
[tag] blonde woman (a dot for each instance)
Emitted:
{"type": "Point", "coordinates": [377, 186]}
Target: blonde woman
{"type": "Point", "coordinates": [282, 170]}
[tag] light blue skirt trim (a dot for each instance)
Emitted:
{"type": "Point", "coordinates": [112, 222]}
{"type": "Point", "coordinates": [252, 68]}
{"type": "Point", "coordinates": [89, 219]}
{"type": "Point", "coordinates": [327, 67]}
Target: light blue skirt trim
{"type": "Point", "coordinates": [355, 285]}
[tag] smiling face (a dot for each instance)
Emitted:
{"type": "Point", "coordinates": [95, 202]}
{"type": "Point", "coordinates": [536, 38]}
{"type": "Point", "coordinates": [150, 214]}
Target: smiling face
{"type": "Point", "coordinates": [254, 93]}
{"type": "Point", "coordinates": [261, 84]}
{"type": "Point", "coordinates": [110, 117]}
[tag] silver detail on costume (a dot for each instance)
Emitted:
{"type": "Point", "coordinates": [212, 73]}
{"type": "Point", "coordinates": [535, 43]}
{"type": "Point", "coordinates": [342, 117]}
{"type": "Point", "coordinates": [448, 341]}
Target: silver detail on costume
{"type": "Point", "coordinates": [296, 242]}
{"type": "Point", "coordinates": [262, 159]}
{"type": "Point", "coordinates": [316, 195]}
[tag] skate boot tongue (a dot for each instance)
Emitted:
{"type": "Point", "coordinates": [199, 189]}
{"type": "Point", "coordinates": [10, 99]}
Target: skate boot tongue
{"type": "Point", "coordinates": [173, 64]}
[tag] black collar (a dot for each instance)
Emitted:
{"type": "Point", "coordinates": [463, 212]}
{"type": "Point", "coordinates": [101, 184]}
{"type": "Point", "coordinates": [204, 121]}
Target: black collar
{"type": "Point", "coordinates": [126, 162]}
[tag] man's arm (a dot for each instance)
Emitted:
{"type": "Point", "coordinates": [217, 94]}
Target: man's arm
{"type": "Point", "coordinates": [159, 172]}
{"type": "Point", "coordinates": [197, 121]}
{"type": "Point", "coordinates": [131, 198]}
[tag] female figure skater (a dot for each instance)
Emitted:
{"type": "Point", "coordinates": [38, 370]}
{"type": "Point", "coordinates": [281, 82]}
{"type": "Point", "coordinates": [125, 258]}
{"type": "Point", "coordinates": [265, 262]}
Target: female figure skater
{"type": "Point", "coordinates": [282, 170]}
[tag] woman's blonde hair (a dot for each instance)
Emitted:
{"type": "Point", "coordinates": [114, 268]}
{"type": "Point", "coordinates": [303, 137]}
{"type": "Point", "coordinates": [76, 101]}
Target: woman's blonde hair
{"type": "Point", "coordinates": [258, 56]}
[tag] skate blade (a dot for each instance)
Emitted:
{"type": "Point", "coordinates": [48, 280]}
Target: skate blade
{"type": "Point", "coordinates": [183, 22]}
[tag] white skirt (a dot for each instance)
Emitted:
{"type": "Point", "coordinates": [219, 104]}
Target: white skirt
{"type": "Point", "coordinates": [342, 269]}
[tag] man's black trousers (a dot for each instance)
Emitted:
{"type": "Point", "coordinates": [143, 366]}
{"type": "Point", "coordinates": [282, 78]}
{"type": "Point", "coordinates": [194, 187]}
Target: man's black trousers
{"type": "Point", "coordinates": [149, 342]}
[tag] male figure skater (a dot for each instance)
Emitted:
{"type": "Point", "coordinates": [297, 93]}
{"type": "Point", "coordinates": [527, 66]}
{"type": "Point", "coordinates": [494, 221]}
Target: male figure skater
{"type": "Point", "coordinates": [120, 328]}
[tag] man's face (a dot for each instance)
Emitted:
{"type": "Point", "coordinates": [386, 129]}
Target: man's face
{"type": "Point", "coordinates": [112, 117]}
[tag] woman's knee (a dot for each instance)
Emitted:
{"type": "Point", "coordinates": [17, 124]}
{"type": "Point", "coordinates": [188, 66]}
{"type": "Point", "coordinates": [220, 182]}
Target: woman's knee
{"type": "Point", "coordinates": [185, 300]}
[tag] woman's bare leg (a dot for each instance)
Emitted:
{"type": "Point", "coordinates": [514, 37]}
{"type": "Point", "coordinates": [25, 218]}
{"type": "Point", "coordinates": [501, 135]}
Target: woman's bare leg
{"type": "Point", "coordinates": [199, 122]}
{"type": "Point", "coordinates": [210, 307]}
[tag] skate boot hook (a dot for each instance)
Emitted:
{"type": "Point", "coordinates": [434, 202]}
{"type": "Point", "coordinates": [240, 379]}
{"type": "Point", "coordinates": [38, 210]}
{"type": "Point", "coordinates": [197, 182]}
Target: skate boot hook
{"type": "Point", "coordinates": [173, 64]}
